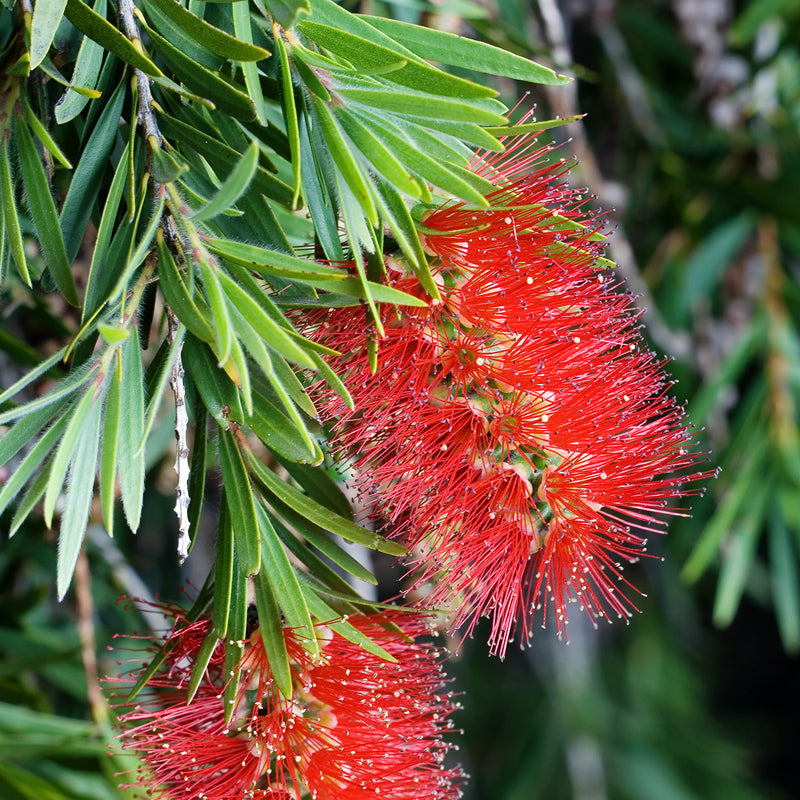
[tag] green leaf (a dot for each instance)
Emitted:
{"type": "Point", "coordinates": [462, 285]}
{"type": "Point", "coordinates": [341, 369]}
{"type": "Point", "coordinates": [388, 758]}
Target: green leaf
{"type": "Point", "coordinates": [271, 262]}
{"type": "Point", "coordinates": [376, 153]}
{"type": "Point", "coordinates": [318, 514]}
{"type": "Point", "coordinates": [421, 104]}
{"type": "Point", "coordinates": [285, 587]}
{"type": "Point", "coordinates": [66, 387]}
{"type": "Point", "coordinates": [234, 638]}
{"type": "Point", "coordinates": [208, 84]}
{"type": "Point", "coordinates": [85, 184]}
{"type": "Point", "coordinates": [222, 327]}
{"type": "Point", "coordinates": [319, 484]}
{"type": "Point", "coordinates": [217, 391]}
{"type": "Point", "coordinates": [43, 210]}
{"type": "Point", "coordinates": [108, 458]}
{"type": "Point", "coordinates": [98, 269]}
{"type": "Point", "coordinates": [10, 215]}
{"type": "Point", "coordinates": [273, 334]}
{"type": "Point", "coordinates": [270, 627]}
{"type": "Point", "coordinates": [242, 27]}
{"type": "Point", "coordinates": [108, 37]}
{"type": "Point", "coordinates": [223, 570]}
{"type": "Point", "coordinates": [47, 16]}
{"type": "Point", "coordinates": [374, 58]}
{"type": "Point", "coordinates": [451, 178]}
{"type": "Point", "coordinates": [208, 36]}
{"type": "Point", "coordinates": [78, 501]}
{"type": "Point", "coordinates": [278, 432]}
{"type": "Point", "coordinates": [320, 539]}
{"type": "Point", "coordinates": [65, 452]}
{"type": "Point", "coordinates": [739, 556]}
{"type": "Point", "coordinates": [241, 505]}
{"type": "Point", "coordinates": [345, 160]}
{"type": "Point", "coordinates": [220, 156]}
{"type": "Point", "coordinates": [526, 128]}
{"type": "Point", "coordinates": [193, 312]}
{"type": "Point", "coordinates": [785, 583]}
{"type": "Point", "coordinates": [201, 661]}
{"type": "Point", "coordinates": [166, 168]}
{"type": "Point", "coordinates": [234, 187]}
{"type": "Point", "coordinates": [379, 293]}
{"type": "Point", "coordinates": [131, 458]}
{"type": "Point", "coordinates": [333, 620]}
{"type": "Point", "coordinates": [33, 458]}
{"type": "Point", "coordinates": [290, 116]}
{"type": "Point", "coordinates": [86, 73]}
{"type": "Point", "coordinates": [286, 13]}
{"type": "Point", "coordinates": [728, 509]}
{"type": "Point", "coordinates": [457, 51]}
{"type": "Point", "coordinates": [43, 136]}
{"type": "Point", "coordinates": [29, 500]}
{"type": "Point", "coordinates": [142, 249]}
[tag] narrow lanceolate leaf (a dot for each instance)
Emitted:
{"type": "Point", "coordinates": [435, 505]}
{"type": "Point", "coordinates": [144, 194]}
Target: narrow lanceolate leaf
{"type": "Point", "coordinates": [241, 505]}
{"type": "Point", "coordinates": [278, 432]}
{"type": "Point", "coordinates": [273, 334]}
{"type": "Point", "coordinates": [10, 216]}
{"type": "Point", "coordinates": [47, 16]}
{"type": "Point", "coordinates": [270, 626]}
{"type": "Point", "coordinates": [345, 160]}
{"type": "Point", "coordinates": [234, 187]}
{"type": "Point", "coordinates": [43, 211]}
{"type": "Point", "coordinates": [217, 391]}
{"type": "Point", "coordinates": [290, 115]}
{"type": "Point", "coordinates": [209, 36]}
{"type": "Point", "coordinates": [64, 454]}
{"type": "Point", "coordinates": [740, 554]}
{"type": "Point", "coordinates": [85, 184]}
{"type": "Point", "coordinates": [206, 83]}
{"type": "Point", "coordinates": [43, 135]}
{"type": "Point", "coordinates": [94, 296]}
{"type": "Point", "coordinates": [105, 34]}
{"type": "Point", "coordinates": [131, 457]}
{"type": "Point", "coordinates": [376, 59]}
{"type": "Point", "coordinates": [242, 28]}
{"type": "Point", "coordinates": [223, 571]}
{"type": "Point", "coordinates": [271, 262]}
{"type": "Point", "coordinates": [108, 459]}
{"type": "Point", "coordinates": [422, 105]}
{"type": "Point", "coordinates": [318, 514]}
{"type": "Point", "coordinates": [785, 581]}
{"type": "Point", "coordinates": [78, 500]}
{"type": "Point", "coordinates": [201, 663]}
{"type": "Point", "coordinates": [448, 48]}
{"type": "Point", "coordinates": [223, 327]}
{"type": "Point", "coordinates": [234, 640]}
{"type": "Point", "coordinates": [192, 311]}
{"type": "Point", "coordinates": [25, 470]}
{"type": "Point", "coordinates": [324, 613]}
{"type": "Point", "coordinates": [85, 73]}
{"type": "Point", "coordinates": [283, 581]}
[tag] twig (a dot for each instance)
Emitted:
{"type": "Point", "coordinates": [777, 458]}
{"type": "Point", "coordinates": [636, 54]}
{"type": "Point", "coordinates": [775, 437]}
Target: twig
{"type": "Point", "coordinates": [83, 598]}
{"type": "Point", "coordinates": [182, 449]}
{"type": "Point", "coordinates": [145, 112]}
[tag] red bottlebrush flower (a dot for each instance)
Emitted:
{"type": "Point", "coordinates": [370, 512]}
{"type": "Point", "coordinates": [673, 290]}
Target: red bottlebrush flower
{"type": "Point", "coordinates": [517, 434]}
{"type": "Point", "coordinates": [355, 727]}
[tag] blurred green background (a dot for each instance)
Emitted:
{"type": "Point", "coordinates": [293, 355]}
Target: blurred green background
{"type": "Point", "coordinates": [690, 141]}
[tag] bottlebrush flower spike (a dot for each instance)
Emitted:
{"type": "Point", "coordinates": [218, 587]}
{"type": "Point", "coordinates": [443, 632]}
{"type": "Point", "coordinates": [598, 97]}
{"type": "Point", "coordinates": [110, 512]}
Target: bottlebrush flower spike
{"type": "Point", "coordinates": [356, 726]}
{"type": "Point", "coordinates": [518, 435]}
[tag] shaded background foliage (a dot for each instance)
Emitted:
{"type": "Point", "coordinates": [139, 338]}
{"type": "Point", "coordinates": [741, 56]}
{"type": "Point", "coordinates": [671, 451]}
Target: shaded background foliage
{"type": "Point", "coordinates": [690, 140]}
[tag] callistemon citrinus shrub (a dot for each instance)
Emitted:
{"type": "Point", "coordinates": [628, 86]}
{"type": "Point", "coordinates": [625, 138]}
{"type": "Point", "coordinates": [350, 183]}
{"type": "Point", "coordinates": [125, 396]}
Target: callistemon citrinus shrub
{"type": "Point", "coordinates": [356, 726]}
{"type": "Point", "coordinates": [517, 433]}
